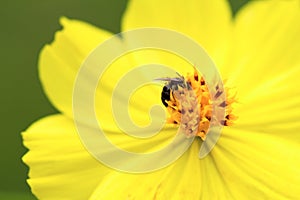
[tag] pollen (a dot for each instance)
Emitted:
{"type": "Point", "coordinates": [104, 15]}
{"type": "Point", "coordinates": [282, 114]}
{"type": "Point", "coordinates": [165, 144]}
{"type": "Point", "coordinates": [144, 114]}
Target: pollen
{"type": "Point", "coordinates": [189, 104]}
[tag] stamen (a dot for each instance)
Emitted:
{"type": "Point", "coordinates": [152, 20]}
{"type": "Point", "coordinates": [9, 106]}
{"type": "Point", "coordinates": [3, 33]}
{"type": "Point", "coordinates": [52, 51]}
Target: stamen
{"type": "Point", "coordinates": [189, 104]}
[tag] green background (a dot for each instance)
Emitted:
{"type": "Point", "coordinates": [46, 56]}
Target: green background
{"type": "Point", "coordinates": [27, 25]}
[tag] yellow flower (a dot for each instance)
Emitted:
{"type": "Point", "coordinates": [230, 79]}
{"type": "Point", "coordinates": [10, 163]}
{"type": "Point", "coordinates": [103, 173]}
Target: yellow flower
{"type": "Point", "coordinates": [258, 158]}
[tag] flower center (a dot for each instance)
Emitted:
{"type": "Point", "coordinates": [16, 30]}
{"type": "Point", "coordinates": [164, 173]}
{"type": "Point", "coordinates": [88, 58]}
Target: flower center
{"type": "Point", "coordinates": [189, 104]}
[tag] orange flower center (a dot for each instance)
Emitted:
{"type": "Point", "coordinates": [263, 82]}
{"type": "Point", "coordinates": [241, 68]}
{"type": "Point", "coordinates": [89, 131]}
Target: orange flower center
{"type": "Point", "coordinates": [189, 104]}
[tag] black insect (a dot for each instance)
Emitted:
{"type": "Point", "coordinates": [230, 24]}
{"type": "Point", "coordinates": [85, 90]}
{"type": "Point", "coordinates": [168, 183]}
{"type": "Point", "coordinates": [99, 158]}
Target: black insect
{"type": "Point", "coordinates": [165, 95]}
{"type": "Point", "coordinates": [171, 85]}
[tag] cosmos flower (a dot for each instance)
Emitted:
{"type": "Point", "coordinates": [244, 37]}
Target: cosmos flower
{"type": "Point", "coordinates": [257, 158]}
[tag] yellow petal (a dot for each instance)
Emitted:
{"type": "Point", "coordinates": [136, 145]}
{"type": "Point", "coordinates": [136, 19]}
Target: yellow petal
{"type": "Point", "coordinates": [131, 108]}
{"type": "Point", "coordinates": [273, 107]}
{"type": "Point", "coordinates": [59, 62]}
{"type": "Point", "coordinates": [207, 22]}
{"type": "Point", "coordinates": [275, 99]}
{"type": "Point", "coordinates": [187, 178]}
{"type": "Point", "coordinates": [255, 165]}
{"type": "Point", "coordinates": [265, 67]}
{"type": "Point", "coordinates": [59, 163]}
{"type": "Point", "coordinates": [137, 98]}
{"type": "Point", "coordinates": [266, 44]}
{"type": "Point", "coordinates": [60, 167]}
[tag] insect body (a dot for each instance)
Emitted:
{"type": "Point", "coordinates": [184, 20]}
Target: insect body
{"type": "Point", "coordinates": [165, 95]}
{"type": "Point", "coordinates": [182, 104]}
{"type": "Point", "coordinates": [171, 85]}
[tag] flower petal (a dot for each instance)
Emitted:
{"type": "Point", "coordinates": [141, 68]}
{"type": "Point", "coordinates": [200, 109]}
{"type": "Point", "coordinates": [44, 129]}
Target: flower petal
{"type": "Point", "coordinates": [64, 58]}
{"type": "Point", "coordinates": [137, 99]}
{"type": "Point", "coordinates": [59, 163]}
{"type": "Point", "coordinates": [273, 107]}
{"type": "Point", "coordinates": [266, 67]}
{"type": "Point", "coordinates": [207, 22]}
{"type": "Point", "coordinates": [266, 44]}
{"type": "Point", "coordinates": [59, 62]}
{"type": "Point", "coordinates": [255, 165]}
{"type": "Point", "coordinates": [187, 178]}
{"type": "Point", "coordinates": [60, 167]}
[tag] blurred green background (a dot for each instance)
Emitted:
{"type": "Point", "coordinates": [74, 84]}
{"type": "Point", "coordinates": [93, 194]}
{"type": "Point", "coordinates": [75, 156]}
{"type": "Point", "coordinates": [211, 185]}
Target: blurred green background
{"type": "Point", "coordinates": [27, 25]}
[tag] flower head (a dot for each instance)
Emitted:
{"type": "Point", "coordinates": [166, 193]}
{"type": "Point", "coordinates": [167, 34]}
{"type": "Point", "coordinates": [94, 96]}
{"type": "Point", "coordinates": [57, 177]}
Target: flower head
{"type": "Point", "coordinates": [257, 158]}
{"type": "Point", "coordinates": [189, 102]}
